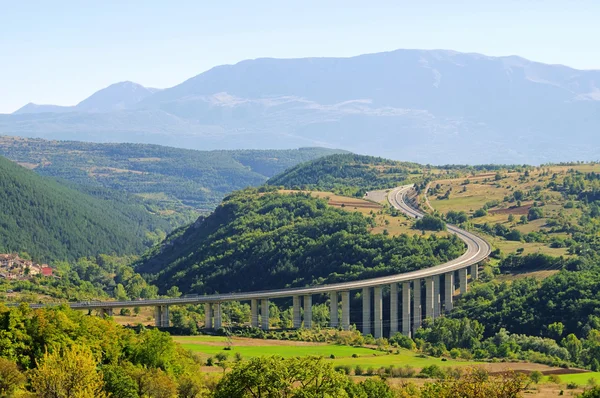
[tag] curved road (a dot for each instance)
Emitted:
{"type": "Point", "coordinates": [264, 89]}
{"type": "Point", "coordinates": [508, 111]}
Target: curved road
{"type": "Point", "coordinates": [477, 250]}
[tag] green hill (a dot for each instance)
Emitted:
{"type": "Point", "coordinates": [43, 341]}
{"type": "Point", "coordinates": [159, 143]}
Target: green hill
{"type": "Point", "coordinates": [255, 241]}
{"type": "Point", "coordinates": [347, 173]}
{"type": "Point", "coordinates": [53, 222]}
{"type": "Point", "coordinates": [170, 179]}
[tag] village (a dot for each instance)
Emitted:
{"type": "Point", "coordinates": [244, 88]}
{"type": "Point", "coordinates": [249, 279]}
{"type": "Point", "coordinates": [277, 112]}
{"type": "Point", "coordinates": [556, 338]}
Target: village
{"type": "Point", "coordinates": [16, 268]}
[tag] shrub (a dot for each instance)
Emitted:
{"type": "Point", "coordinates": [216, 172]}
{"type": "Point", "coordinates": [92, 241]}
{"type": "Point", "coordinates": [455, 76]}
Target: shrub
{"type": "Point", "coordinates": [536, 376]}
{"type": "Point", "coordinates": [358, 370]}
{"type": "Point", "coordinates": [433, 371]}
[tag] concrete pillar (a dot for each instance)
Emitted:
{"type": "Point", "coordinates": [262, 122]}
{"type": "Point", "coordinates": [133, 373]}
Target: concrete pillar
{"type": "Point", "coordinates": [157, 316]}
{"type": "Point", "coordinates": [393, 309]}
{"type": "Point", "coordinates": [218, 316]}
{"type": "Point", "coordinates": [449, 291]}
{"type": "Point", "coordinates": [462, 280]}
{"type": "Point", "coordinates": [161, 316]}
{"type": "Point", "coordinates": [308, 311]}
{"type": "Point", "coordinates": [104, 312]}
{"type": "Point", "coordinates": [166, 319]}
{"type": "Point", "coordinates": [406, 308]}
{"type": "Point", "coordinates": [264, 314]}
{"type": "Point", "coordinates": [436, 296]}
{"type": "Point", "coordinates": [429, 290]}
{"type": "Point", "coordinates": [345, 310]}
{"type": "Point", "coordinates": [366, 310]}
{"type": "Point", "coordinates": [378, 321]}
{"type": "Point", "coordinates": [474, 272]}
{"type": "Point", "coordinates": [254, 313]}
{"type": "Point", "coordinates": [417, 310]}
{"type": "Point", "coordinates": [296, 313]}
{"type": "Point", "coordinates": [333, 309]}
{"type": "Point", "coordinates": [208, 323]}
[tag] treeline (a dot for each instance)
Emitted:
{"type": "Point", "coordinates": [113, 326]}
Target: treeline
{"type": "Point", "coordinates": [53, 222]}
{"type": "Point", "coordinates": [347, 174]}
{"type": "Point", "coordinates": [265, 240]}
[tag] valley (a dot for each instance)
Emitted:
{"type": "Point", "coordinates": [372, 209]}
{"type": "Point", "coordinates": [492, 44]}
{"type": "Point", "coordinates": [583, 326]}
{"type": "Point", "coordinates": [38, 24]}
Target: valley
{"type": "Point", "coordinates": [349, 204]}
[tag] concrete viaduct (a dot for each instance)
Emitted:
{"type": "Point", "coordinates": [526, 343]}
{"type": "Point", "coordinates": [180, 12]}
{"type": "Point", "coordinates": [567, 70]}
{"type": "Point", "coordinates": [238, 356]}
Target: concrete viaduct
{"type": "Point", "coordinates": [406, 290]}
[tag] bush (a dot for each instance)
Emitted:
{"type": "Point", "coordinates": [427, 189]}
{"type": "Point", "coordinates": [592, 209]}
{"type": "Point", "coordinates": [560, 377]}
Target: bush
{"type": "Point", "coordinates": [358, 370]}
{"type": "Point", "coordinates": [536, 376]}
{"type": "Point", "coordinates": [480, 213]}
{"type": "Point", "coordinates": [433, 371]}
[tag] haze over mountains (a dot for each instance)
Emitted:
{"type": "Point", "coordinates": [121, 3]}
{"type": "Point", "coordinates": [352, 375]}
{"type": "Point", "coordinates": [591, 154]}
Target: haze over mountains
{"type": "Point", "coordinates": [425, 106]}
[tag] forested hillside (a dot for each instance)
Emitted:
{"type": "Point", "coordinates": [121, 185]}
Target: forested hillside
{"type": "Point", "coordinates": [268, 240]}
{"type": "Point", "coordinates": [170, 179]}
{"type": "Point", "coordinates": [53, 222]}
{"type": "Point", "coordinates": [348, 174]}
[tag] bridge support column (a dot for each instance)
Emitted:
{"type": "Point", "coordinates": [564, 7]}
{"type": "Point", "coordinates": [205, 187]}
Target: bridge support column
{"type": "Point", "coordinates": [436, 296]}
{"type": "Point", "coordinates": [393, 309]}
{"type": "Point", "coordinates": [296, 313]}
{"type": "Point", "coordinates": [161, 316]}
{"type": "Point", "coordinates": [462, 280]}
{"type": "Point", "coordinates": [104, 312]}
{"type": "Point", "coordinates": [218, 316]}
{"type": "Point", "coordinates": [429, 292]}
{"type": "Point", "coordinates": [366, 310]}
{"type": "Point", "coordinates": [208, 323]}
{"type": "Point", "coordinates": [333, 309]}
{"type": "Point", "coordinates": [474, 272]}
{"type": "Point", "coordinates": [406, 308]}
{"type": "Point", "coordinates": [449, 291]}
{"type": "Point", "coordinates": [254, 313]}
{"type": "Point", "coordinates": [345, 310]}
{"type": "Point", "coordinates": [378, 321]}
{"type": "Point", "coordinates": [264, 314]}
{"type": "Point", "coordinates": [417, 310]}
{"type": "Point", "coordinates": [308, 311]}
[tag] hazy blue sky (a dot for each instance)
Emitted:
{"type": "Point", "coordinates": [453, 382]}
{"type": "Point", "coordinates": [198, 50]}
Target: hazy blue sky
{"type": "Point", "coordinates": [62, 51]}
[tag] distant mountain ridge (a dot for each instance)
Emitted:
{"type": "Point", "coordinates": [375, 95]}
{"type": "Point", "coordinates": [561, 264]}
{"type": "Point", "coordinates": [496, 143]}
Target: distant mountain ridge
{"type": "Point", "coordinates": [115, 97]}
{"type": "Point", "coordinates": [428, 106]}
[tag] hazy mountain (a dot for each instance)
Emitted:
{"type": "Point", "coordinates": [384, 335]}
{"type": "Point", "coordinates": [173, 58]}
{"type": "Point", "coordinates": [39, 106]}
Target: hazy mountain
{"type": "Point", "coordinates": [35, 108]}
{"type": "Point", "coordinates": [115, 97]}
{"type": "Point", "coordinates": [425, 106]}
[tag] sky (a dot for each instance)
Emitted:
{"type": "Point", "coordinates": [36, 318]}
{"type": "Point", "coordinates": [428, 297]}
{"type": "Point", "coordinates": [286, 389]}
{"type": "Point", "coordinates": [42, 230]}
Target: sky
{"type": "Point", "coordinates": [60, 52]}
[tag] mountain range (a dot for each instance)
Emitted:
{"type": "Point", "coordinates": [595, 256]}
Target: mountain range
{"type": "Point", "coordinates": [429, 106]}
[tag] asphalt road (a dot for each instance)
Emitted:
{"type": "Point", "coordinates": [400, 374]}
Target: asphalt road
{"type": "Point", "coordinates": [477, 250]}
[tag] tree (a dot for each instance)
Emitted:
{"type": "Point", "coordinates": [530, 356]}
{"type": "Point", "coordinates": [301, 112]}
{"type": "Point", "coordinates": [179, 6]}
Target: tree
{"type": "Point", "coordinates": [535, 213]}
{"type": "Point", "coordinates": [70, 372]}
{"type": "Point", "coordinates": [118, 383]}
{"type": "Point", "coordinates": [275, 377]}
{"type": "Point", "coordinates": [536, 376]}
{"type": "Point", "coordinates": [191, 385]}
{"type": "Point", "coordinates": [154, 383]}
{"type": "Point", "coordinates": [518, 195]}
{"type": "Point", "coordinates": [593, 393]}
{"type": "Point", "coordinates": [511, 218]}
{"type": "Point", "coordinates": [556, 330]}
{"type": "Point", "coordinates": [173, 292]}
{"type": "Point", "coordinates": [11, 379]}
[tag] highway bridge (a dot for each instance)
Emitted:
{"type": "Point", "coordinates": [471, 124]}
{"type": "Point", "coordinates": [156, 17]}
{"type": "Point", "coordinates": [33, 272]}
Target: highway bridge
{"type": "Point", "coordinates": [406, 290]}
